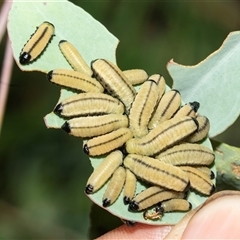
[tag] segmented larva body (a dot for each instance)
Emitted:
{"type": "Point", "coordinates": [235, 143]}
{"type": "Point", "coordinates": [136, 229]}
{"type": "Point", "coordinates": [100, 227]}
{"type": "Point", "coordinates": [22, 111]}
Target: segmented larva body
{"type": "Point", "coordinates": [168, 105]}
{"type": "Point", "coordinates": [142, 108]}
{"type": "Point", "coordinates": [129, 187]}
{"type": "Point", "coordinates": [114, 81]}
{"type": "Point", "coordinates": [173, 205]}
{"type": "Point", "coordinates": [74, 80]}
{"type": "Point", "coordinates": [114, 187]}
{"type": "Point", "coordinates": [37, 43]}
{"type": "Point", "coordinates": [74, 58]}
{"type": "Point", "coordinates": [136, 76]}
{"type": "Point", "coordinates": [151, 196]}
{"type": "Point", "coordinates": [189, 109]}
{"type": "Point", "coordinates": [104, 171]}
{"type": "Point", "coordinates": [199, 180]}
{"type": "Point", "coordinates": [203, 129]}
{"type": "Point", "coordinates": [93, 126]}
{"type": "Point", "coordinates": [164, 136]}
{"type": "Point", "coordinates": [187, 154]}
{"type": "Point", "coordinates": [108, 142]}
{"type": "Point", "coordinates": [88, 104]}
{"type": "Point", "coordinates": [156, 172]}
{"type": "Point", "coordinates": [160, 81]}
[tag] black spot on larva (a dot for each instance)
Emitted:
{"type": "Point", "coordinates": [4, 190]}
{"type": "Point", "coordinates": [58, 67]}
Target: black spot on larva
{"type": "Point", "coordinates": [89, 189]}
{"type": "Point", "coordinates": [212, 175]}
{"type": "Point", "coordinates": [66, 127]}
{"type": "Point", "coordinates": [24, 58]}
{"type": "Point", "coordinates": [212, 190]}
{"type": "Point", "coordinates": [195, 106]}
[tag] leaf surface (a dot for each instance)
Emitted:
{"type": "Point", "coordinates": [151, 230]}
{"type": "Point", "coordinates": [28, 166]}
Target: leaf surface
{"type": "Point", "coordinates": [214, 83]}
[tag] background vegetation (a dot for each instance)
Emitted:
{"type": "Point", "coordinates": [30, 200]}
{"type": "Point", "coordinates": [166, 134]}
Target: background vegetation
{"type": "Point", "coordinates": [43, 172]}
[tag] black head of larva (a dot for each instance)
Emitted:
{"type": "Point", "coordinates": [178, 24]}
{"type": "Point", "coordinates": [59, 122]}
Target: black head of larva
{"type": "Point", "coordinates": [212, 175]}
{"type": "Point", "coordinates": [213, 189]}
{"type": "Point", "coordinates": [133, 206]}
{"type": "Point", "coordinates": [58, 109]}
{"type": "Point", "coordinates": [126, 200]}
{"type": "Point", "coordinates": [85, 148]}
{"type": "Point", "coordinates": [190, 206]}
{"type": "Point", "coordinates": [24, 58]}
{"type": "Point", "coordinates": [195, 105]}
{"type": "Point", "coordinates": [66, 127]}
{"type": "Point", "coordinates": [106, 202]}
{"type": "Point", "coordinates": [49, 75]}
{"type": "Point", "coordinates": [89, 189]}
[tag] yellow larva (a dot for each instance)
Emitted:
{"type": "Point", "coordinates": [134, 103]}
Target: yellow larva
{"type": "Point", "coordinates": [142, 108]}
{"type": "Point", "coordinates": [189, 109]}
{"type": "Point", "coordinates": [156, 172]}
{"type": "Point", "coordinates": [187, 154]}
{"type": "Point", "coordinates": [164, 136]}
{"type": "Point", "coordinates": [104, 171]}
{"type": "Point", "coordinates": [151, 196]}
{"type": "Point", "coordinates": [108, 142]}
{"type": "Point", "coordinates": [203, 129]}
{"type": "Point", "coordinates": [173, 205]}
{"type": "Point", "coordinates": [114, 81]}
{"type": "Point", "coordinates": [74, 80]}
{"type": "Point", "coordinates": [129, 187]}
{"type": "Point", "coordinates": [168, 105]}
{"type": "Point", "coordinates": [74, 58]}
{"type": "Point", "coordinates": [136, 76]}
{"type": "Point", "coordinates": [114, 187]}
{"type": "Point", "coordinates": [37, 43]}
{"type": "Point", "coordinates": [199, 181]}
{"type": "Point", "coordinates": [94, 125]}
{"type": "Point", "coordinates": [89, 104]}
{"type": "Point", "coordinates": [160, 81]}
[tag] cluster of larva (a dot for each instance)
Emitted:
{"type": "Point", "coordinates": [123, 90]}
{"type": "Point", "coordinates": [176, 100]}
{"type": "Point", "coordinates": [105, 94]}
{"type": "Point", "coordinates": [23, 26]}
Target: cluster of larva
{"type": "Point", "coordinates": [146, 136]}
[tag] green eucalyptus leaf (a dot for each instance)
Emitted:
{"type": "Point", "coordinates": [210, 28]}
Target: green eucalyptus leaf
{"type": "Point", "coordinates": [93, 41]}
{"type": "Point", "coordinates": [71, 23]}
{"type": "Point", "coordinates": [214, 83]}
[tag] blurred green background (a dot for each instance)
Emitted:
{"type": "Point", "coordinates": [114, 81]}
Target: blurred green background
{"type": "Point", "coordinates": [43, 172]}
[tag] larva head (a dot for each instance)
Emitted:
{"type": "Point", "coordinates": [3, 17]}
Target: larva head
{"type": "Point", "coordinates": [66, 127]}
{"type": "Point", "coordinates": [195, 106]}
{"type": "Point", "coordinates": [24, 58]}
{"type": "Point", "coordinates": [58, 109]}
{"type": "Point", "coordinates": [126, 200]}
{"type": "Point", "coordinates": [133, 206]}
{"type": "Point", "coordinates": [85, 149]}
{"type": "Point", "coordinates": [212, 175]}
{"type": "Point", "coordinates": [213, 189]}
{"type": "Point", "coordinates": [106, 202]}
{"type": "Point", "coordinates": [49, 75]}
{"type": "Point", "coordinates": [89, 189]}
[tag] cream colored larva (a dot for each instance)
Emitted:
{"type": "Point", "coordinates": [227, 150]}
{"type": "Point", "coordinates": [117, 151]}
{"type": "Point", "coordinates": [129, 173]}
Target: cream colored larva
{"type": "Point", "coordinates": [187, 154]}
{"type": "Point", "coordinates": [162, 137]}
{"type": "Point", "coordinates": [168, 105]}
{"type": "Point", "coordinates": [93, 126]}
{"type": "Point", "coordinates": [203, 129]}
{"type": "Point", "coordinates": [114, 187]}
{"type": "Point", "coordinates": [88, 104]}
{"type": "Point", "coordinates": [104, 171]}
{"type": "Point", "coordinates": [129, 187]}
{"type": "Point", "coordinates": [156, 172]}
{"type": "Point", "coordinates": [199, 181]}
{"type": "Point", "coordinates": [160, 81]}
{"type": "Point", "coordinates": [114, 81]}
{"type": "Point", "coordinates": [151, 196]}
{"type": "Point", "coordinates": [142, 108]}
{"type": "Point", "coordinates": [74, 80]}
{"type": "Point", "coordinates": [37, 43]}
{"type": "Point", "coordinates": [136, 76]}
{"type": "Point", "coordinates": [189, 109]}
{"type": "Point", "coordinates": [107, 142]}
{"type": "Point", "coordinates": [74, 58]}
